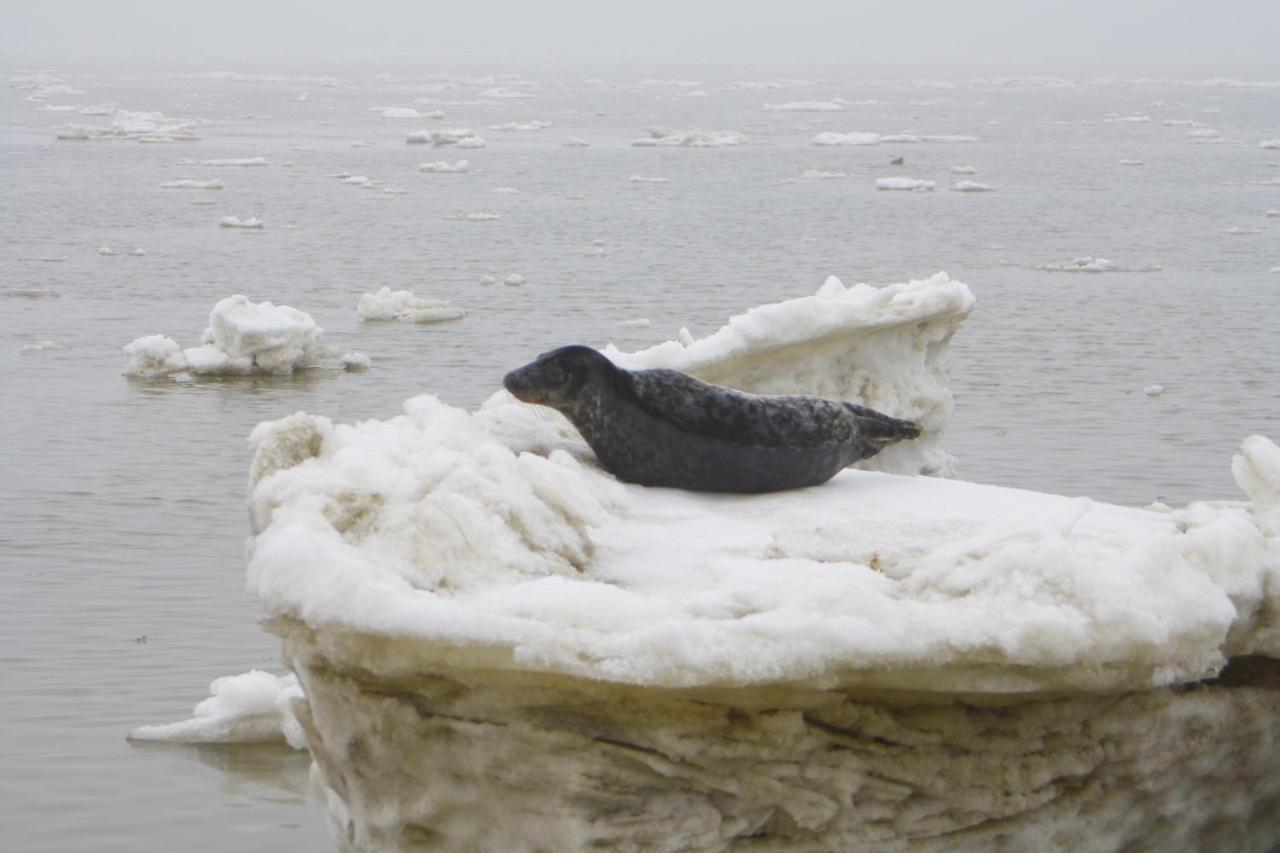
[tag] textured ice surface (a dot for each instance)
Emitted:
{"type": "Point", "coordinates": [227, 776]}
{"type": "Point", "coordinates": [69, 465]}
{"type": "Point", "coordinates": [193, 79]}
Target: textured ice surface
{"type": "Point", "coordinates": [445, 167]}
{"type": "Point", "coordinates": [911, 184]}
{"type": "Point", "coordinates": [404, 305]}
{"type": "Point", "coordinates": [689, 139]}
{"type": "Point", "coordinates": [971, 187]}
{"type": "Point", "coordinates": [254, 707]}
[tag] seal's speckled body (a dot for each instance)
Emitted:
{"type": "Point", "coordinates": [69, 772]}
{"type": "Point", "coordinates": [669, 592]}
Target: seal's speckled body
{"type": "Point", "coordinates": [666, 428]}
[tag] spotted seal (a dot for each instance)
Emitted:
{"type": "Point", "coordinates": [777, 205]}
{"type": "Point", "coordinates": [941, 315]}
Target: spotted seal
{"type": "Point", "coordinates": [666, 428]}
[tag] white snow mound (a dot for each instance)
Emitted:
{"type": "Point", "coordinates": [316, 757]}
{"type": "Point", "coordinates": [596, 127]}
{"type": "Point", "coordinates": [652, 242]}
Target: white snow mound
{"type": "Point", "coordinates": [254, 707]}
{"type": "Point", "coordinates": [404, 305]}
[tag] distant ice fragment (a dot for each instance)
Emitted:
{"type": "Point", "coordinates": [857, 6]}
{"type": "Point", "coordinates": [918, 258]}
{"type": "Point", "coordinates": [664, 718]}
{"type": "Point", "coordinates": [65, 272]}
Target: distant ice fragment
{"type": "Point", "coordinates": [106, 250]}
{"type": "Point", "coordinates": [252, 223]}
{"type": "Point", "coordinates": [237, 161]}
{"type": "Point", "coordinates": [504, 93]}
{"type": "Point", "coordinates": [689, 139]}
{"type": "Point", "coordinates": [971, 187]}
{"type": "Point", "coordinates": [514, 280]}
{"type": "Point", "coordinates": [807, 106]}
{"type": "Point", "coordinates": [641, 179]}
{"type": "Point", "coordinates": [1269, 143]}
{"type": "Point", "coordinates": [406, 306]}
{"type": "Point", "coordinates": [637, 323]}
{"type": "Point", "coordinates": [1153, 390]}
{"type": "Point", "coordinates": [963, 170]}
{"type": "Point", "coordinates": [575, 142]}
{"type": "Point", "coordinates": [516, 125]}
{"type": "Point", "coordinates": [442, 166]}
{"type": "Point", "coordinates": [255, 707]}
{"type": "Point", "coordinates": [1093, 265]}
{"type": "Point", "coordinates": [40, 346]}
{"type": "Point", "coordinates": [1128, 162]}
{"type": "Point", "coordinates": [192, 184]}
{"type": "Point", "coordinates": [355, 361]}
{"type": "Point", "coordinates": [911, 184]}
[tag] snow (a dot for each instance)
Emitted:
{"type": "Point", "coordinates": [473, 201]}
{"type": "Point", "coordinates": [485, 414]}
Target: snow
{"type": "Point", "coordinates": [193, 184]}
{"type": "Point", "coordinates": [237, 161]}
{"type": "Point", "coordinates": [689, 139]}
{"type": "Point", "coordinates": [252, 223]}
{"type": "Point", "coordinates": [915, 184]}
{"type": "Point", "coordinates": [807, 106]}
{"type": "Point", "coordinates": [492, 539]}
{"type": "Point", "coordinates": [458, 137]}
{"type": "Point", "coordinates": [243, 337]}
{"type": "Point", "coordinates": [254, 707]}
{"type": "Point", "coordinates": [971, 187]}
{"type": "Point", "coordinates": [442, 166]}
{"type": "Point", "coordinates": [406, 306]}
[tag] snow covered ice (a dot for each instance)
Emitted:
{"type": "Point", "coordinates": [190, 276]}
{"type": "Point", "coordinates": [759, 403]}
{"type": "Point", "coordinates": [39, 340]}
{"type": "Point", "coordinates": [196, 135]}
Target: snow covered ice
{"type": "Point", "coordinates": [689, 139]}
{"type": "Point", "coordinates": [445, 167]}
{"type": "Point", "coordinates": [243, 337]}
{"type": "Point", "coordinates": [405, 306]}
{"type": "Point", "coordinates": [252, 223]}
{"type": "Point", "coordinates": [250, 708]}
{"type": "Point", "coordinates": [910, 184]}
{"type": "Point", "coordinates": [971, 187]}
{"type": "Point", "coordinates": [473, 601]}
{"type": "Point", "coordinates": [193, 184]}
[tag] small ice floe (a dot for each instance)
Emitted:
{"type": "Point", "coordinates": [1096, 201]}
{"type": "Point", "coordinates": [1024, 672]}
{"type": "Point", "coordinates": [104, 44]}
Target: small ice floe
{"type": "Point", "coordinates": [911, 184]}
{"type": "Point", "coordinates": [505, 190]}
{"type": "Point", "coordinates": [1093, 265]}
{"type": "Point", "coordinates": [138, 252]}
{"type": "Point", "coordinates": [513, 280]}
{"type": "Point", "coordinates": [1273, 214]}
{"type": "Point", "coordinates": [394, 190]}
{"type": "Point", "coordinates": [1118, 119]}
{"type": "Point", "coordinates": [479, 216]}
{"type": "Point", "coordinates": [685, 337]}
{"type": "Point", "coordinates": [31, 293]}
{"type": "Point", "coordinates": [963, 170]}
{"type": "Point", "coordinates": [237, 161]}
{"type": "Point", "coordinates": [1128, 162]}
{"type": "Point", "coordinates": [40, 346]}
{"type": "Point", "coordinates": [138, 126]}
{"type": "Point", "coordinates": [1204, 134]}
{"type": "Point", "coordinates": [819, 173]}
{"type": "Point", "coordinates": [1153, 390]}
{"type": "Point", "coordinates": [971, 187]}
{"type": "Point", "coordinates": [106, 250]}
{"type": "Point", "coordinates": [637, 323]}
{"type": "Point", "coordinates": [488, 279]}
{"type": "Point", "coordinates": [459, 137]}
{"type": "Point", "coordinates": [355, 361]}
{"type": "Point", "coordinates": [192, 184]}
{"type": "Point", "coordinates": [243, 338]}
{"type": "Point", "coordinates": [1241, 232]}
{"type": "Point", "coordinates": [252, 223]}
{"type": "Point", "coordinates": [1269, 144]}
{"type": "Point", "coordinates": [359, 143]}
{"type": "Point", "coordinates": [254, 707]}
{"type": "Point", "coordinates": [855, 138]}
{"type": "Point", "coordinates": [443, 167]}
{"type": "Point", "coordinates": [517, 125]}
{"type": "Point", "coordinates": [505, 94]}
{"type": "Point", "coordinates": [356, 181]}
{"type": "Point", "coordinates": [689, 139]}
{"type": "Point", "coordinates": [833, 106]}
{"type": "Point", "coordinates": [575, 142]}
{"type": "Point", "coordinates": [641, 179]}
{"type": "Point", "coordinates": [408, 113]}
{"type": "Point", "coordinates": [406, 306]}
{"type": "Point", "coordinates": [1275, 270]}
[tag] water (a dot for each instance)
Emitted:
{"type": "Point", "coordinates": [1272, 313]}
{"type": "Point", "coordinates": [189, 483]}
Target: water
{"type": "Point", "coordinates": [122, 523]}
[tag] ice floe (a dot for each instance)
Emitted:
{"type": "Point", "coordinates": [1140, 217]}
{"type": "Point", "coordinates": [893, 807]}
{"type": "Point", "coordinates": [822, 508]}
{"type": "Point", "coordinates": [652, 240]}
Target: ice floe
{"type": "Point", "coordinates": [821, 173]}
{"type": "Point", "coordinates": [971, 187]}
{"type": "Point", "coordinates": [243, 337]}
{"type": "Point", "coordinates": [138, 126]}
{"type": "Point", "coordinates": [39, 346]}
{"type": "Point", "coordinates": [1240, 231]}
{"type": "Point", "coordinates": [405, 306]}
{"type": "Point", "coordinates": [236, 161]}
{"type": "Point", "coordinates": [1269, 143]}
{"type": "Point", "coordinates": [252, 223]}
{"type": "Point", "coordinates": [641, 179]}
{"type": "Point", "coordinates": [525, 125]}
{"type": "Point", "coordinates": [513, 280]}
{"type": "Point", "coordinates": [254, 707]}
{"type": "Point", "coordinates": [1153, 390]}
{"type": "Point", "coordinates": [637, 323]}
{"type": "Point", "coordinates": [504, 93]}
{"type": "Point", "coordinates": [1090, 264]}
{"type": "Point", "coordinates": [1130, 162]}
{"type": "Point", "coordinates": [408, 113]}
{"type": "Point", "coordinates": [899, 183]}
{"type": "Point", "coordinates": [459, 137]}
{"type": "Point", "coordinates": [855, 138]}
{"type": "Point", "coordinates": [193, 184]}
{"type": "Point", "coordinates": [575, 142]}
{"type": "Point", "coordinates": [444, 167]}
{"type": "Point", "coordinates": [355, 361]}
{"type": "Point", "coordinates": [963, 170]}
{"type": "Point", "coordinates": [689, 139]}
{"type": "Point", "coordinates": [833, 106]}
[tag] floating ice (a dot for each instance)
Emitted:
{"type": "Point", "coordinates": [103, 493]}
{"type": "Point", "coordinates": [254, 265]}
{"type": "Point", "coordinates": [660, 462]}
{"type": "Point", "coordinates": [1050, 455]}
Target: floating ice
{"type": "Point", "coordinates": [243, 337]}
{"type": "Point", "coordinates": [1153, 390]}
{"type": "Point", "coordinates": [829, 138]}
{"type": "Point", "coordinates": [638, 323]}
{"type": "Point", "coordinates": [1118, 119]}
{"type": "Point", "coordinates": [575, 142]}
{"type": "Point", "coordinates": [139, 126]}
{"type": "Point", "coordinates": [1241, 232]}
{"type": "Point", "coordinates": [404, 305]}
{"type": "Point", "coordinates": [193, 184]}
{"type": "Point", "coordinates": [441, 166]}
{"type": "Point", "coordinates": [252, 223]}
{"type": "Point", "coordinates": [409, 113]}
{"type": "Point", "coordinates": [963, 170]}
{"type": "Point", "coordinates": [819, 173]}
{"type": "Point", "coordinates": [356, 361]}
{"type": "Point", "coordinates": [915, 184]}
{"type": "Point", "coordinates": [460, 137]}
{"type": "Point", "coordinates": [479, 216]}
{"type": "Point", "coordinates": [689, 139]}
{"type": "Point", "coordinates": [1094, 265]}
{"type": "Point", "coordinates": [106, 250]}
{"type": "Point", "coordinates": [971, 187]}
{"type": "Point", "coordinates": [40, 346]}
{"type": "Point", "coordinates": [1128, 162]}
{"type": "Point", "coordinates": [254, 707]}
{"type": "Point", "coordinates": [505, 190]}
{"type": "Point", "coordinates": [237, 161]}
{"type": "Point", "coordinates": [641, 179]}
{"type": "Point", "coordinates": [514, 280]}
{"type": "Point", "coordinates": [356, 181]}
{"type": "Point", "coordinates": [1269, 143]}
{"type": "Point", "coordinates": [138, 253]}
{"type": "Point", "coordinates": [527, 125]}
{"type": "Point", "coordinates": [808, 106]}
{"type": "Point", "coordinates": [488, 279]}
{"type": "Point", "coordinates": [1204, 133]}
{"type": "Point", "coordinates": [504, 93]}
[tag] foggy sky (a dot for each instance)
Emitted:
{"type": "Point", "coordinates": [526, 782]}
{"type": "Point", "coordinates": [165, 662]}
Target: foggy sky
{"type": "Point", "coordinates": [1181, 38]}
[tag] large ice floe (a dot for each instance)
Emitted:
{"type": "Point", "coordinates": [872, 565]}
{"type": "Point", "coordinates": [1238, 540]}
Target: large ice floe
{"type": "Point", "coordinates": [406, 306]}
{"type": "Point", "coordinates": [499, 646]}
{"type": "Point", "coordinates": [242, 338]}
{"type": "Point", "coordinates": [458, 137]}
{"type": "Point", "coordinates": [138, 126]}
{"type": "Point", "coordinates": [688, 139]}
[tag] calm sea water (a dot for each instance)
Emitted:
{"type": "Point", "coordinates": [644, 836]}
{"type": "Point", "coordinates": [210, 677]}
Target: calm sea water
{"type": "Point", "coordinates": [121, 515]}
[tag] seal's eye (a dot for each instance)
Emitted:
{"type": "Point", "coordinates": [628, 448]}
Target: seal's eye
{"type": "Point", "coordinates": [554, 374]}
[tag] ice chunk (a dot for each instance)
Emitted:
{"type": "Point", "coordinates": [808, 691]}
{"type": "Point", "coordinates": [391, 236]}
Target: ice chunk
{"type": "Point", "coordinates": [1130, 162]}
{"type": "Point", "coordinates": [154, 356]}
{"type": "Point", "coordinates": [39, 346]}
{"type": "Point", "coordinates": [829, 138]}
{"type": "Point", "coordinates": [575, 142]}
{"type": "Point", "coordinates": [1269, 143]}
{"type": "Point", "coordinates": [480, 216]}
{"type": "Point", "coordinates": [356, 180]}
{"type": "Point", "coordinates": [641, 179]}
{"type": "Point", "coordinates": [255, 707]}
{"type": "Point", "coordinates": [445, 167]}
{"type": "Point", "coordinates": [404, 305]}
{"type": "Point", "coordinates": [819, 173]}
{"type": "Point", "coordinates": [915, 184]}
{"type": "Point", "coordinates": [808, 106]}
{"type": "Point", "coordinates": [514, 280]}
{"type": "Point", "coordinates": [237, 161]}
{"type": "Point", "coordinates": [1153, 390]}
{"type": "Point", "coordinates": [638, 323]}
{"type": "Point", "coordinates": [356, 361]}
{"type": "Point", "coordinates": [252, 223]}
{"type": "Point", "coordinates": [193, 184]}
{"type": "Point", "coordinates": [460, 137]}
{"type": "Point", "coordinates": [971, 187]}
{"type": "Point", "coordinates": [106, 250]}
{"type": "Point", "coordinates": [408, 113]}
{"type": "Point", "coordinates": [505, 93]}
{"type": "Point", "coordinates": [279, 338]}
{"type": "Point", "coordinates": [689, 139]}
{"type": "Point", "coordinates": [963, 170]}
{"type": "Point", "coordinates": [527, 125]}
{"type": "Point", "coordinates": [1094, 265]}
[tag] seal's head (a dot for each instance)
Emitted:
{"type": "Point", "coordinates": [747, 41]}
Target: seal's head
{"type": "Point", "coordinates": [556, 378]}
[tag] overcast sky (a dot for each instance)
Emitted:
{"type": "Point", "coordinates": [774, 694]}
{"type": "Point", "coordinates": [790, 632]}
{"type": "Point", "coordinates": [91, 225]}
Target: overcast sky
{"type": "Point", "coordinates": [1190, 38]}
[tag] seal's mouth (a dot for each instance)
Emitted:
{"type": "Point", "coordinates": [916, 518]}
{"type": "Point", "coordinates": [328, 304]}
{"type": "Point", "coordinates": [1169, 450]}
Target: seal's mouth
{"type": "Point", "coordinates": [521, 388]}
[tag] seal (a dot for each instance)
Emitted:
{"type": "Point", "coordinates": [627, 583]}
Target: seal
{"type": "Point", "coordinates": [667, 428]}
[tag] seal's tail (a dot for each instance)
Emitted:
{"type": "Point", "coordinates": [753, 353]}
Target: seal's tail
{"type": "Point", "coordinates": [880, 430]}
